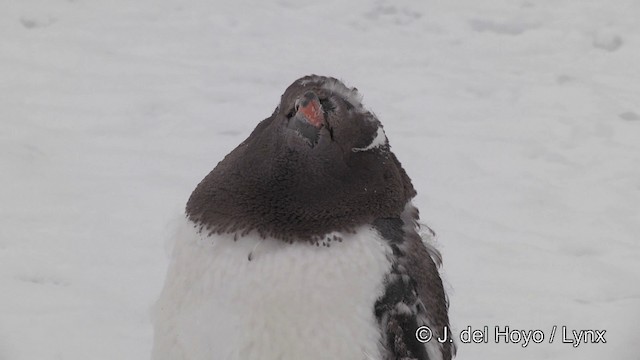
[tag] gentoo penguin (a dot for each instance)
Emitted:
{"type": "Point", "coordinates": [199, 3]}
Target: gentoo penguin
{"type": "Point", "coordinates": [303, 243]}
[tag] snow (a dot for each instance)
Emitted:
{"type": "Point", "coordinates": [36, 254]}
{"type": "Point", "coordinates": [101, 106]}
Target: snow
{"type": "Point", "coordinates": [517, 121]}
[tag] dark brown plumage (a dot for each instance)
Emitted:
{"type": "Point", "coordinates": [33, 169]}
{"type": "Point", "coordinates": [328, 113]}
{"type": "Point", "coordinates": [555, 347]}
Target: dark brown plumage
{"type": "Point", "coordinates": [280, 185]}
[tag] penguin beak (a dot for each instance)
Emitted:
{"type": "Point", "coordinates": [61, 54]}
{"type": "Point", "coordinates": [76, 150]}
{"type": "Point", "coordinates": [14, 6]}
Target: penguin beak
{"type": "Point", "coordinates": [309, 117]}
{"type": "Point", "coordinates": [308, 107]}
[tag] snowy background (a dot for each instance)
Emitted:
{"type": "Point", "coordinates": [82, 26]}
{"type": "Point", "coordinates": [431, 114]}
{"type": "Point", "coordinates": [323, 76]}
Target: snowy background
{"type": "Point", "coordinates": [518, 121]}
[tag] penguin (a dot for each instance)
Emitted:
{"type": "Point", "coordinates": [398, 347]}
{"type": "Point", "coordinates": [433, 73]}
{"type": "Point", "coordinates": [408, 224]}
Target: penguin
{"type": "Point", "coordinates": [303, 243]}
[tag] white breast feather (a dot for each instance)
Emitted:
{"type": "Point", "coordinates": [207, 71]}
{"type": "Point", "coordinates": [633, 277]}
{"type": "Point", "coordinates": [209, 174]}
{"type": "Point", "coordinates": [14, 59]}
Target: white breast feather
{"type": "Point", "coordinates": [292, 301]}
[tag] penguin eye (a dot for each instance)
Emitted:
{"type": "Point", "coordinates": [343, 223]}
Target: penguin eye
{"type": "Point", "coordinates": [292, 112]}
{"type": "Point", "coordinates": [327, 105]}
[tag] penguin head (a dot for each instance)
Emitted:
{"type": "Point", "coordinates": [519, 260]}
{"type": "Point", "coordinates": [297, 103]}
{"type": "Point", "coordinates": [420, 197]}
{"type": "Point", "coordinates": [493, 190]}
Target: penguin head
{"type": "Point", "coordinates": [320, 163]}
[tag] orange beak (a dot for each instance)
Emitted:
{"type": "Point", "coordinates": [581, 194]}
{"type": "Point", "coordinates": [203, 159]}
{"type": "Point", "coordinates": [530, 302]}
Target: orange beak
{"type": "Point", "coordinates": [309, 107]}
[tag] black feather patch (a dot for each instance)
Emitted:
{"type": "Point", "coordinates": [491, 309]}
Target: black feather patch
{"type": "Point", "coordinates": [413, 296]}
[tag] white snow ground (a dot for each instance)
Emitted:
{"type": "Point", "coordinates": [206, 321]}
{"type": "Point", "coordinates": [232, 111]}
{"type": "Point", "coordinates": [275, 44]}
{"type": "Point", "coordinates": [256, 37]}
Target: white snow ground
{"type": "Point", "coordinates": [519, 122]}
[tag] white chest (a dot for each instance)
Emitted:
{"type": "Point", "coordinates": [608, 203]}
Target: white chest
{"type": "Point", "coordinates": [291, 301]}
